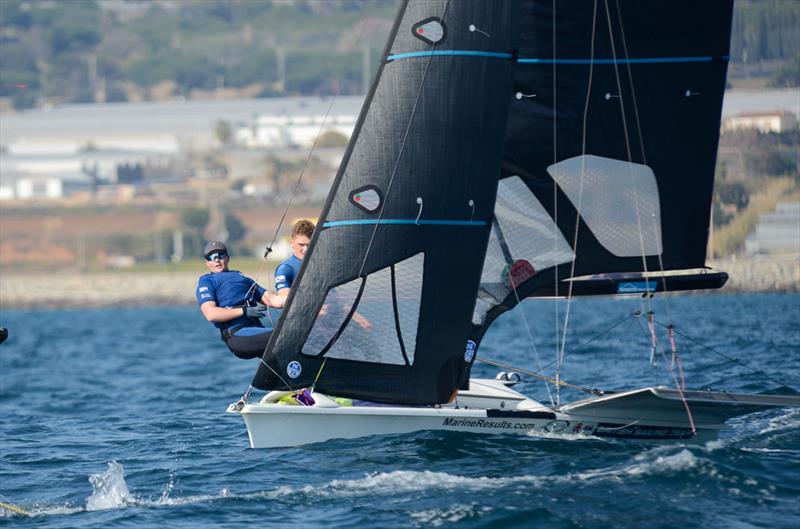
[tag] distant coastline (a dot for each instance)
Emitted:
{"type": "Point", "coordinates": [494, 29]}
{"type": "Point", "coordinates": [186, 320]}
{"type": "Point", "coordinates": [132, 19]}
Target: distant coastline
{"type": "Point", "coordinates": [123, 289]}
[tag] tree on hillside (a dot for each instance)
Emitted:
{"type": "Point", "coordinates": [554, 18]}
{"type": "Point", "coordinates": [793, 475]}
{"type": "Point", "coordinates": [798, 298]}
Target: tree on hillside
{"type": "Point", "coordinates": [764, 31]}
{"type": "Point", "coordinates": [771, 161]}
{"type": "Point", "coordinates": [788, 76]}
{"type": "Point", "coordinates": [223, 131]}
{"type": "Point", "coordinates": [732, 193]}
{"type": "Point", "coordinates": [75, 31]}
{"type": "Point", "coordinates": [332, 138]}
{"type": "Point", "coordinates": [19, 73]}
{"type": "Point", "coordinates": [194, 221]}
{"type": "Point", "coordinates": [235, 227]}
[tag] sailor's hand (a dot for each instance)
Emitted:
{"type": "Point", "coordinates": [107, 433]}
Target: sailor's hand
{"type": "Point", "coordinates": [258, 311]}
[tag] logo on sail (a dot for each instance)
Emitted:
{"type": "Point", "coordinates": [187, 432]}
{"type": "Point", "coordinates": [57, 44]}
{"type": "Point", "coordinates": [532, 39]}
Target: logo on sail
{"type": "Point", "coordinates": [517, 273]}
{"type": "Point", "coordinates": [294, 369]}
{"type": "Point", "coordinates": [636, 287]}
{"type": "Point", "coordinates": [430, 30]}
{"type": "Point", "coordinates": [469, 354]}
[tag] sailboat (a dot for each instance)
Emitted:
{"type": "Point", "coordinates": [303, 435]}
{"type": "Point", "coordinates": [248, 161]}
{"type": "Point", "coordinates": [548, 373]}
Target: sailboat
{"type": "Point", "coordinates": [506, 150]}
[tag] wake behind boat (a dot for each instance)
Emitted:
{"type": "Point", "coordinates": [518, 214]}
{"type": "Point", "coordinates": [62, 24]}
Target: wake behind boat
{"type": "Point", "coordinates": [506, 150]}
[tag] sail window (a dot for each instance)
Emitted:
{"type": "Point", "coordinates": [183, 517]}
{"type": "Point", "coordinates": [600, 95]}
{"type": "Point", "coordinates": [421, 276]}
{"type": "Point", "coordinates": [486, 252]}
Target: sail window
{"type": "Point", "coordinates": [431, 30]}
{"type": "Point", "coordinates": [367, 198]}
{"type": "Point", "coordinates": [383, 328]}
{"type": "Point", "coordinates": [523, 240]}
{"type": "Point", "coordinates": [618, 201]}
{"type": "Point", "coordinates": [332, 316]}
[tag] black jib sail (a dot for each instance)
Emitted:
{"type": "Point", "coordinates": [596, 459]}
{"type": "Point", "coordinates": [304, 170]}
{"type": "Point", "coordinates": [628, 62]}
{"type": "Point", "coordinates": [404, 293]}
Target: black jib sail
{"type": "Point", "coordinates": [503, 146]}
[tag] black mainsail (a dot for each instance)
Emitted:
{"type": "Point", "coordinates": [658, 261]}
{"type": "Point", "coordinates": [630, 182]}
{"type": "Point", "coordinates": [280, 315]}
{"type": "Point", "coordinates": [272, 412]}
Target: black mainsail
{"type": "Point", "coordinates": [504, 146]}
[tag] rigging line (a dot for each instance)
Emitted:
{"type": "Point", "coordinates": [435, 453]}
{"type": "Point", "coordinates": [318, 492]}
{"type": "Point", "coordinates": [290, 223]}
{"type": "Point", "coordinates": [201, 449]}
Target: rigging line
{"type": "Point", "coordinates": [305, 166]}
{"type": "Point", "coordinates": [289, 386]}
{"type": "Point", "coordinates": [540, 376]}
{"type": "Point", "coordinates": [239, 404]}
{"type": "Point", "coordinates": [641, 148]}
{"type": "Point", "coordinates": [530, 339]}
{"type": "Point", "coordinates": [314, 145]}
{"type": "Point", "coordinates": [297, 186]}
{"type": "Point", "coordinates": [627, 141]}
{"type": "Point", "coordinates": [556, 303]}
{"type": "Point", "coordinates": [560, 355]}
{"type": "Point", "coordinates": [319, 372]}
{"type": "Point", "coordinates": [13, 508]}
{"type": "Point", "coordinates": [660, 350]}
{"type": "Point", "coordinates": [590, 340]}
{"type": "Point", "coordinates": [402, 148]}
{"type": "Point", "coordinates": [8, 505]}
{"type": "Point", "coordinates": [669, 367]}
{"type": "Point", "coordinates": [723, 355]}
{"type": "Point", "coordinates": [501, 241]}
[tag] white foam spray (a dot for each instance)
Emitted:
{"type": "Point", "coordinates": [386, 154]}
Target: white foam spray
{"type": "Point", "coordinates": [110, 490]}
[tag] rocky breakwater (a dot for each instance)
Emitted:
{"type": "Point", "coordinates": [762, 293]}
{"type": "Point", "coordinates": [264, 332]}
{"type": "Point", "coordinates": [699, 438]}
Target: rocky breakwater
{"type": "Point", "coordinates": [110, 289]}
{"type": "Point", "coordinates": [760, 274]}
{"type": "Point", "coordinates": [106, 289]}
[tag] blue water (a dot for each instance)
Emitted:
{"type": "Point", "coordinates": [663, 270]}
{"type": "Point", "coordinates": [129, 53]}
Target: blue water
{"type": "Point", "coordinates": [116, 418]}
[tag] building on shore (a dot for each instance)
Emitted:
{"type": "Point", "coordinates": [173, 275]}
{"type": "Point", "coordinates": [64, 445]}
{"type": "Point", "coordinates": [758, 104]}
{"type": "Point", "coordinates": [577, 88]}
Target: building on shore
{"type": "Point", "coordinates": [778, 121]}
{"type": "Point", "coordinates": [777, 233]}
{"type": "Point", "coordinates": [281, 131]}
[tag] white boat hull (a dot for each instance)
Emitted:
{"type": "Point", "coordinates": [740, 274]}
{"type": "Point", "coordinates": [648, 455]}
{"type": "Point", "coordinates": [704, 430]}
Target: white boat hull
{"type": "Point", "coordinates": [273, 426]}
{"type": "Point", "coordinates": [490, 407]}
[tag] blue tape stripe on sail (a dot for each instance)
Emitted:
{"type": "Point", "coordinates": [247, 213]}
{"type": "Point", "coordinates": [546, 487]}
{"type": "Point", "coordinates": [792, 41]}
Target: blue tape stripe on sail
{"type": "Point", "coordinates": [450, 53]}
{"type": "Point", "coordinates": [529, 60]}
{"type": "Point", "coordinates": [640, 60]}
{"type": "Point", "coordinates": [428, 222]}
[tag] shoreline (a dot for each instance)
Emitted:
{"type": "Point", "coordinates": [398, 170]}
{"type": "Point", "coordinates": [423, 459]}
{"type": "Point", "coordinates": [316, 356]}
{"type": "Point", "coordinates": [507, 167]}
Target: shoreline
{"type": "Point", "coordinates": [130, 289]}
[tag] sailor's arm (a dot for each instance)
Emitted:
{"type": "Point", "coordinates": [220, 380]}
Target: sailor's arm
{"type": "Point", "coordinates": [361, 320]}
{"type": "Point", "coordinates": [284, 277]}
{"type": "Point", "coordinates": [276, 301]}
{"type": "Point", "coordinates": [281, 297]}
{"type": "Point", "coordinates": [217, 314]}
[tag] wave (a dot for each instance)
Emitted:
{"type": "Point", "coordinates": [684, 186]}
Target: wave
{"type": "Point", "coordinates": [110, 491]}
{"type": "Point", "coordinates": [786, 421]}
{"type": "Point", "coordinates": [652, 463]}
{"type": "Point", "coordinates": [453, 514]}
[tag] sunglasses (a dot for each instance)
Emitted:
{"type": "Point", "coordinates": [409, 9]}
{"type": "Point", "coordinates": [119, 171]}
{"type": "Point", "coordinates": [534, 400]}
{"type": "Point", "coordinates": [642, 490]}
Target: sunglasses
{"type": "Point", "coordinates": [216, 255]}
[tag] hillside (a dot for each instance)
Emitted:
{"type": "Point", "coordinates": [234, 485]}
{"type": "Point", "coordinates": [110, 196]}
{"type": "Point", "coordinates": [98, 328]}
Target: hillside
{"type": "Point", "coordinates": [86, 50]}
{"type": "Point", "coordinates": [105, 51]}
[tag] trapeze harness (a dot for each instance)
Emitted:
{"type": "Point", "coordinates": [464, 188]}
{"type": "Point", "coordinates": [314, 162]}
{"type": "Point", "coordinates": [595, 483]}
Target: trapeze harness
{"type": "Point", "coordinates": [246, 340]}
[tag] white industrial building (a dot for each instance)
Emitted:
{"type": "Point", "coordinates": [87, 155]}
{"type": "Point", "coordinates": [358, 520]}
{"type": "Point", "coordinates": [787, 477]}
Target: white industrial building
{"type": "Point", "coordinates": [282, 131]}
{"type": "Point", "coordinates": [762, 121]}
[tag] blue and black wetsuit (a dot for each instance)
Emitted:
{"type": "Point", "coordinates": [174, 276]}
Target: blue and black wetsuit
{"type": "Point", "coordinates": [245, 337]}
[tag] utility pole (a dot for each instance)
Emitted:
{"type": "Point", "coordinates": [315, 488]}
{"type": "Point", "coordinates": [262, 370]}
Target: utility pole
{"type": "Point", "coordinates": [280, 84]}
{"type": "Point", "coordinates": [365, 69]}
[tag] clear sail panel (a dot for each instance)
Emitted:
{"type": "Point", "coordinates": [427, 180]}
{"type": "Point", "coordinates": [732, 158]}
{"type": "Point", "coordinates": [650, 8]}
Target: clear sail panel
{"type": "Point", "coordinates": [524, 240]}
{"type": "Point", "coordinates": [332, 316]}
{"type": "Point", "coordinates": [383, 328]}
{"type": "Point", "coordinates": [618, 201]}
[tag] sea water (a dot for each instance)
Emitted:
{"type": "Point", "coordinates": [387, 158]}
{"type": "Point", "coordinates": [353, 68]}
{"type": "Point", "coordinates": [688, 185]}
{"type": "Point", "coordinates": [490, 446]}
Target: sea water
{"type": "Point", "coordinates": [116, 418]}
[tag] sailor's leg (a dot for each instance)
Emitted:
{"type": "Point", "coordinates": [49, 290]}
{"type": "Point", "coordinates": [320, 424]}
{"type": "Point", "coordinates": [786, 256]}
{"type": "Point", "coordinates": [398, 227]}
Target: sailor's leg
{"type": "Point", "coordinates": [249, 342]}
